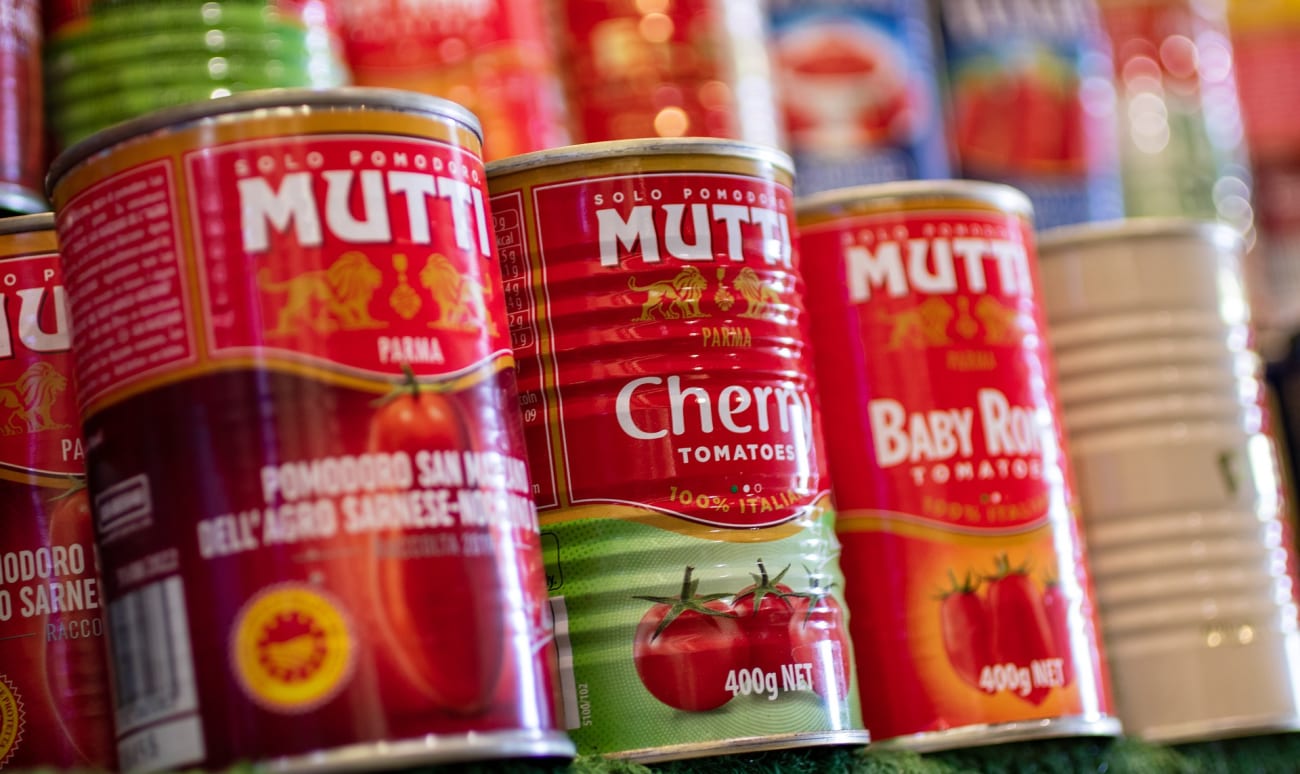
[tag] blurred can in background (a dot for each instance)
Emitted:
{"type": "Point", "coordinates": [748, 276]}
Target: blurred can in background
{"type": "Point", "coordinates": [858, 91]}
{"type": "Point", "coordinates": [667, 68]}
{"type": "Point", "coordinates": [1032, 103]}
{"type": "Point", "coordinates": [22, 138]}
{"type": "Point", "coordinates": [492, 56]}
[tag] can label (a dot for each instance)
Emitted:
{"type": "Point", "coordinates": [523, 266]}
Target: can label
{"type": "Point", "coordinates": [1032, 103]}
{"type": "Point", "coordinates": [54, 694]}
{"type": "Point", "coordinates": [858, 92]}
{"type": "Point", "coordinates": [674, 435]}
{"type": "Point", "coordinates": [338, 526]}
{"type": "Point", "coordinates": [492, 56]}
{"type": "Point", "coordinates": [960, 492]}
{"type": "Point", "coordinates": [22, 130]}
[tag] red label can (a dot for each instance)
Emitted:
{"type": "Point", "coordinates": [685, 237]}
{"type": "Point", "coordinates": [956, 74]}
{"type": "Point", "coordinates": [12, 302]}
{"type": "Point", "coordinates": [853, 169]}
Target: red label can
{"type": "Point", "coordinates": [307, 465]}
{"type": "Point", "coordinates": [22, 128]}
{"type": "Point", "coordinates": [951, 474]}
{"type": "Point", "coordinates": [55, 708]}
{"type": "Point", "coordinates": [492, 56]}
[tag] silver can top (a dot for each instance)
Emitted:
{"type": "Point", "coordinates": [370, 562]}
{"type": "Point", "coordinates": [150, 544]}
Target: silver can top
{"type": "Point", "coordinates": [1090, 234]}
{"type": "Point", "coordinates": [21, 224]}
{"type": "Point", "coordinates": [657, 146]}
{"type": "Point", "coordinates": [1004, 197]}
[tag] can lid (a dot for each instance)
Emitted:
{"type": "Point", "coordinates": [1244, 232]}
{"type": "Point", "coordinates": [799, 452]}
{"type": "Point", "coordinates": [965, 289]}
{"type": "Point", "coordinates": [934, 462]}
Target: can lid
{"type": "Point", "coordinates": [1064, 237]}
{"type": "Point", "coordinates": [263, 100]}
{"type": "Point", "coordinates": [997, 194]}
{"type": "Point", "coordinates": [21, 224]}
{"type": "Point", "coordinates": [654, 146]}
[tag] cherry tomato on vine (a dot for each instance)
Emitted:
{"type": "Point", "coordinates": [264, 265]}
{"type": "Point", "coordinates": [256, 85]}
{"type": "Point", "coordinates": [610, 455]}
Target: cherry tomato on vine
{"type": "Point", "coordinates": [964, 626]}
{"type": "Point", "coordinates": [766, 612]}
{"type": "Point", "coordinates": [819, 636]}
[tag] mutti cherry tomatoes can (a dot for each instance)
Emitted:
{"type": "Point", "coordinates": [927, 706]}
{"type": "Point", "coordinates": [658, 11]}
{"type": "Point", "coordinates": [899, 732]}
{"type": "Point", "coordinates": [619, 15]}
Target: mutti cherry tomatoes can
{"type": "Point", "coordinates": [305, 453]}
{"type": "Point", "coordinates": [972, 607]}
{"type": "Point", "coordinates": [672, 426]}
{"type": "Point", "coordinates": [55, 708]}
{"type": "Point", "coordinates": [22, 128]}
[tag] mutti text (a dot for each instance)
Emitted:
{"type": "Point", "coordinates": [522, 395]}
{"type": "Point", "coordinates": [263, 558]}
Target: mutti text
{"type": "Point", "coordinates": [27, 327]}
{"type": "Point", "coordinates": [937, 266]}
{"type": "Point", "coordinates": [310, 203]}
{"type": "Point", "coordinates": [721, 225]}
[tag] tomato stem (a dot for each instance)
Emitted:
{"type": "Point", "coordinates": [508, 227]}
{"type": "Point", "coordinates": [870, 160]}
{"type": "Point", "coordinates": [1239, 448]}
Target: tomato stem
{"type": "Point", "coordinates": [688, 600]}
{"type": "Point", "coordinates": [78, 484]}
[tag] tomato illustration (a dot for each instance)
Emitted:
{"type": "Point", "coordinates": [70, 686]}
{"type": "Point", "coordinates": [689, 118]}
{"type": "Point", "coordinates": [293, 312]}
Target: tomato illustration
{"type": "Point", "coordinates": [964, 626]}
{"type": "Point", "coordinates": [412, 418]}
{"type": "Point", "coordinates": [1021, 632]}
{"type": "Point", "coordinates": [1057, 609]}
{"type": "Point", "coordinates": [766, 612]}
{"type": "Point", "coordinates": [684, 646]}
{"type": "Point", "coordinates": [819, 636]}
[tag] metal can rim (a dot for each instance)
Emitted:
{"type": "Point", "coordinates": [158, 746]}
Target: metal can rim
{"type": "Point", "coordinates": [1081, 234]}
{"type": "Point", "coordinates": [652, 146]}
{"type": "Point", "coordinates": [22, 224]}
{"type": "Point", "coordinates": [1000, 195]}
{"type": "Point", "coordinates": [261, 99]}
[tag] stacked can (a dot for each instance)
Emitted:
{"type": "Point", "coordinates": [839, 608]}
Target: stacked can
{"type": "Point", "coordinates": [305, 450]}
{"type": "Point", "coordinates": [493, 57]}
{"type": "Point", "coordinates": [111, 61]}
{"type": "Point", "coordinates": [1189, 540]}
{"type": "Point", "coordinates": [22, 133]}
{"type": "Point", "coordinates": [673, 429]}
{"type": "Point", "coordinates": [55, 708]}
{"type": "Point", "coordinates": [1180, 122]}
{"type": "Point", "coordinates": [667, 68]}
{"type": "Point", "coordinates": [971, 601]}
{"type": "Point", "coordinates": [1032, 103]}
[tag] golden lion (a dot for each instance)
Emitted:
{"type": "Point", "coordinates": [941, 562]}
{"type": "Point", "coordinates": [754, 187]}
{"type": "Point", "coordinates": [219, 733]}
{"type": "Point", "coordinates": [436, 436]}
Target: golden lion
{"type": "Point", "coordinates": [923, 325]}
{"type": "Point", "coordinates": [460, 299]}
{"type": "Point", "coordinates": [326, 299]}
{"type": "Point", "coordinates": [674, 299]}
{"type": "Point", "coordinates": [1000, 323]}
{"type": "Point", "coordinates": [757, 294]}
{"type": "Point", "coordinates": [30, 398]}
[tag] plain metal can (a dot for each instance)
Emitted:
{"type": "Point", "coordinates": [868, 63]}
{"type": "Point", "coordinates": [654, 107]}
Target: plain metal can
{"type": "Point", "coordinates": [22, 125]}
{"type": "Point", "coordinates": [656, 313]}
{"type": "Point", "coordinates": [964, 568]}
{"type": "Point", "coordinates": [305, 451]}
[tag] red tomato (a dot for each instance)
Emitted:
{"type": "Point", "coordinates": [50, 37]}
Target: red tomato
{"type": "Point", "coordinates": [1021, 633]}
{"type": "Point", "coordinates": [685, 646]}
{"type": "Point", "coordinates": [766, 612]}
{"type": "Point", "coordinates": [964, 626]}
{"type": "Point", "coordinates": [1057, 609]}
{"type": "Point", "coordinates": [818, 636]}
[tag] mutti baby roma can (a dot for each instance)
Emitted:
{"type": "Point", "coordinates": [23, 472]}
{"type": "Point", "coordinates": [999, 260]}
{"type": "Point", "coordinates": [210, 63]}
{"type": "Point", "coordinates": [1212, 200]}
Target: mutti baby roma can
{"type": "Point", "coordinates": [972, 611]}
{"type": "Point", "coordinates": [54, 696]}
{"type": "Point", "coordinates": [304, 447]}
{"type": "Point", "coordinates": [672, 427]}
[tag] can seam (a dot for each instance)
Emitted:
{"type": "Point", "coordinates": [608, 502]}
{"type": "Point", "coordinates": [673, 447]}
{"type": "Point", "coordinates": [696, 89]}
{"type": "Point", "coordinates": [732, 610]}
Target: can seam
{"type": "Point", "coordinates": [665, 146]}
{"type": "Point", "coordinates": [997, 194]}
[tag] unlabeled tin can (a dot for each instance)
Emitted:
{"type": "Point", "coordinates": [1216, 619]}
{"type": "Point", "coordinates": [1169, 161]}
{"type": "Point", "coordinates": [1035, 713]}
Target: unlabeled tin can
{"type": "Point", "coordinates": [1190, 543]}
{"type": "Point", "coordinates": [492, 56]}
{"type": "Point", "coordinates": [22, 128]}
{"type": "Point", "coordinates": [55, 708]}
{"type": "Point", "coordinates": [1033, 104]}
{"type": "Point", "coordinates": [965, 572]}
{"type": "Point", "coordinates": [858, 92]}
{"type": "Point", "coordinates": [660, 69]}
{"type": "Point", "coordinates": [672, 425]}
{"type": "Point", "coordinates": [304, 448]}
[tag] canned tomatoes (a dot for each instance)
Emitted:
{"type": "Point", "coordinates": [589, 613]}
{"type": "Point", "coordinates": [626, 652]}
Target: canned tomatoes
{"type": "Point", "coordinates": [54, 694]}
{"type": "Point", "coordinates": [672, 426]}
{"type": "Point", "coordinates": [972, 611]}
{"type": "Point", "coordinates": [22, 132]}
{"type": "Point", "coordinates": [305, 453]}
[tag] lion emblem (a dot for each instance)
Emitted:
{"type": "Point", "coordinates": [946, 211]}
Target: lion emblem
{"type": "Point", "coordinates": [925, 324]}
{"type": "Point", "coordinates": [30, 398]}
{"type": "Point", "coordinates": [1000, 323]}
{"type": "Point", "coordinates": [758, 295]}
{"type": "Point", "coordinates": [326, 299]}
{"type": "Point", "coordinates": [460, 299]}
{"type": "Point", "coordinates": [673, 299]}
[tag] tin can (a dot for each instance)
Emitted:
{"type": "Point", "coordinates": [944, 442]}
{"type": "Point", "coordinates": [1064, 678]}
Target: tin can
{"type": "Point", "coordinates": [858, 92]}
{"type": "Point", "coordinates": [1033, 103]}
{"type": "Point", "coordinates": [55, 708]}
{"type": "Point", "coordinates": [1189, 536]}
{"type": "Point", "coordinates": [305, 454]}
{"type": "Point", "coordinates": [492, 56]}
{"type": "Point", "coordinates": [673, 430]}
{"type": "Point", "coordinates": [22, 130]}
{"type": "Point", "coordinates": [965, 572]}
{"type": "Point", "coordinates": [659, 69]}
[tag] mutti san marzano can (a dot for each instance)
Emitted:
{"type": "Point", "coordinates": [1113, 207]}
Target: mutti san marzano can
{"type": "Point", "coordinates": [972, 612]}
{"type": "Point", "coordinates": [304, 447]}
{"type": "Point", "coordinates": [54, 696]}
{"type": "Point", "coordinates": [673, 432]}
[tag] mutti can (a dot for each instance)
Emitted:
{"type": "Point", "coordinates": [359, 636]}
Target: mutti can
{"type": "Point", "coordinates": [22, 128]}
{"type": "Point", "coordinates": [492, 56]}
{"type": "Point", "coordinates": [858, 91]}
{"type": "Point", "coordinates": [667, 69]}
{"type": "Point", "coordinates": [672, 426]}
{"type": "Point", "coordinates": [1033, 105]}
{"type": "Point", "coordinates": [305, 454]}
{"type": "Point", "coordinates": [55, 708]}
{"type": "Point", "coordinates": [972, 611]}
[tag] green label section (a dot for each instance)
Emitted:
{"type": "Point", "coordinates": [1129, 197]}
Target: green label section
{"type": "Point", "coordinates": [667, 640]}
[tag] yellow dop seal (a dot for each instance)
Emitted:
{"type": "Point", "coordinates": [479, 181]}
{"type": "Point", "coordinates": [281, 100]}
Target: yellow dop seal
{"type": "Point", "coordinates": [11, 720]}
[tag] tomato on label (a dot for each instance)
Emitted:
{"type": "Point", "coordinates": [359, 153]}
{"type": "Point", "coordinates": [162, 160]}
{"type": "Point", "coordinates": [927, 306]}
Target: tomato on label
{"type": "Point", "coordinates": [819, 636]}
{"type": "Point", "coordinates": [1021, 633]}
{"type": "Point", "coordinates": [685, 646]}
{"type": "Point", "coordinates": [766, 612]}
{"type": "Point", "coordinates": [412, 418]}
{"type": "Point", "coordinates": [964, 626]}
{"type": "Point", "coordinates": [1057, 609]}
